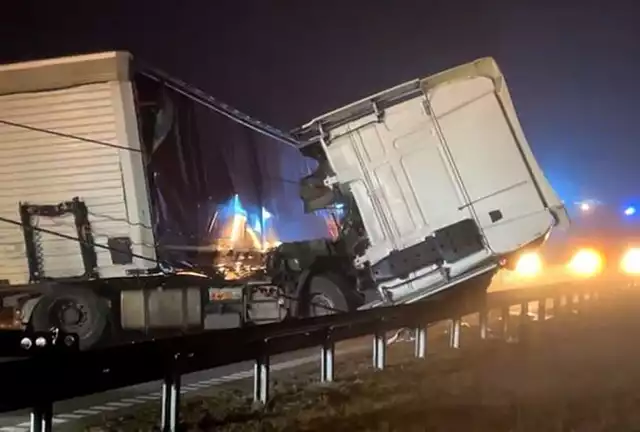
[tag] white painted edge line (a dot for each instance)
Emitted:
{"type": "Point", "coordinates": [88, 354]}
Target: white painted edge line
{"type": "Point", "coordinates": [127, 402]}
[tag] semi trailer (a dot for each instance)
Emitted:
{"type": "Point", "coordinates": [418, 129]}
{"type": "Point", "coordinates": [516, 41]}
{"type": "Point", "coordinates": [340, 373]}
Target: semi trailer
{"type": "Point", "coordinates": [426, 187]}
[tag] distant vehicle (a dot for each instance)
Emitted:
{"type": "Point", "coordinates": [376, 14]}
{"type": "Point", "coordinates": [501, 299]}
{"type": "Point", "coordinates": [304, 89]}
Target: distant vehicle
{"type": "Point", "coordinates": [422, 188]}
{"type": "Point", "coordinates": [602, 246]}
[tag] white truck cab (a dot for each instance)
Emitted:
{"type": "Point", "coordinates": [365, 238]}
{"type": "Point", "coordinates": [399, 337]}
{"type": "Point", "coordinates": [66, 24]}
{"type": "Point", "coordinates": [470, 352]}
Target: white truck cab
{"type": "Point", "coordinates": [441, 173]}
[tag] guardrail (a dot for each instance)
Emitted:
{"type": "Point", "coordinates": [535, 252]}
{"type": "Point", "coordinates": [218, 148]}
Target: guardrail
{"type": "Point", "coordinates": [39, 381]}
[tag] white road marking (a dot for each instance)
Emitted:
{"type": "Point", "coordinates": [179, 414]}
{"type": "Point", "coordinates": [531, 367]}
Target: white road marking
{"type": "Point", "coordinates": [119, 404]}
{"type": "Point", "coordinates": [131, 401]}
{"type": "Point", "coordinates": [148, 397]}
{"type": "Point", "coordinates": [104, 408]}
{"type": "Point", "coordinates": [86, 412]}
{"type": "Point", "coordinates": [70, 416]}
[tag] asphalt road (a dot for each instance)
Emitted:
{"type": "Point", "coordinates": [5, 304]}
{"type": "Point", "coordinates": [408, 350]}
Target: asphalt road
{"type": "Point", "coordinates": [70, 414]}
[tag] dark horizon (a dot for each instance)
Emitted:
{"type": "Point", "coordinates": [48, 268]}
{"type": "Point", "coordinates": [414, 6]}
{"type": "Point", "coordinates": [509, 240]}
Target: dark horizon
{"type": "Point", "coordinates": [570, 70]}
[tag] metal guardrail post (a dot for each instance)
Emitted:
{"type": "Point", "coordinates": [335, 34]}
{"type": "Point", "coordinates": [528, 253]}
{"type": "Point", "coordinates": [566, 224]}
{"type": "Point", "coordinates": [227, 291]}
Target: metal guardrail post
{"type": "Point", "coordinates": [524, 321]}
{"type": "Point", "coordinates": [454, 333]}
{"type": "Point", "coordinates": [170, 403]}
{"type": "Point", "coordinates": [524, 310]}
{"type": "Point", "coordinates": [245, 304]}
{"type": "Point", "coordinates": [327, 357]}
{"type": "Point", "coordinates": [379, 349]}
{"type": "Point", "coordinates": [261, 371]}
{"type": "Point", "coordinates": [483, 321]}
{"type": "Point", "coordinates": [420, 346]}
{"type": "Point", "coordinates": [505, 314]}
{"type": "Point", "coordinates": [557, 306]}
{"type": "Point", "coordinates": [41, 419]}
{"type": "Point", "coordinates": [542, 309]}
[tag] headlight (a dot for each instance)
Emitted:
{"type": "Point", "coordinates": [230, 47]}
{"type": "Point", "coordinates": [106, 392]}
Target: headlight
{"type": "Point", "coordinates": [529, 265]}
{"type": "Point", "coordinates": [586, 262]}
{"type": "Point", "coordinates": [631, 261]}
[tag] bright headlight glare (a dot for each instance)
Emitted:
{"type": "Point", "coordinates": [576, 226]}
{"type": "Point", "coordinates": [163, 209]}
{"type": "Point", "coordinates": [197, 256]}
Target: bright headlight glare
{"type": "Point", "coordinates": [631, 261]}
{"type": "Point", "coordinates": [529, 264]}
{"type": "Point", "coordinates": [586, 262]}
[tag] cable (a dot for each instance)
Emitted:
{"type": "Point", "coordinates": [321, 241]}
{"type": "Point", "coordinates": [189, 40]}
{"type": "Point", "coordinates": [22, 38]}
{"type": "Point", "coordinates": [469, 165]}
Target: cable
{"type": "Point", "coordinates": [155, 261]}
{"type": "Point", "coordinates": [103, 143]}
{"type": "Point", "coordinates": [115, 146]}
{"type": "Point", "coordinates": [64, 135]}
{"type": "Point", "coordinates": [68, 224]}
{"type": "Point", "coordinates": [83, 242]}
{"type": "Point", "coordinates": [196, 95]}
{"type": "Point", "coordinates": [160, 264]}
{"type": "Point", "coordinates": [115, 219]}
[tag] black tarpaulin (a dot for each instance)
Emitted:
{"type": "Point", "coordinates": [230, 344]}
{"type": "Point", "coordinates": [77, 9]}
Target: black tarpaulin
{"type": "Point", "coordinates": [218, 184]}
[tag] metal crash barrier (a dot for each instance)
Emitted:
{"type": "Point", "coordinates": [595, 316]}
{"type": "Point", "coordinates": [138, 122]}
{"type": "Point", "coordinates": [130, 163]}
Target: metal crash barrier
{"type": "Point", "coordinates": [65, 373]}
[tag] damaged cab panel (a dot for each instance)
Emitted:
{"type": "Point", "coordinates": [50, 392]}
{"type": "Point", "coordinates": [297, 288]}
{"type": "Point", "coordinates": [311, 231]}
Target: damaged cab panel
{"type": "Point", "coordinates": [443, 178]}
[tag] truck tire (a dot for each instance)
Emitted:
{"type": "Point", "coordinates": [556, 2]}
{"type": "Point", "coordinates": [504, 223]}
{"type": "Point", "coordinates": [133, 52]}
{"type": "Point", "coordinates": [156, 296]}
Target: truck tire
{"type": "Point", "coordinates": [328, 293]}
{"type": "Point", "coordinates": [72, 310]}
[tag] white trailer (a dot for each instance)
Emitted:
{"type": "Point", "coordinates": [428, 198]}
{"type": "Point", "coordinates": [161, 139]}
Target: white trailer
{"type": "Point", "coordinates": [72, 175]}
{"type": "Point", "coordinates": [78, 250]}
{"type": "Point", "coordinates": [69, 129]}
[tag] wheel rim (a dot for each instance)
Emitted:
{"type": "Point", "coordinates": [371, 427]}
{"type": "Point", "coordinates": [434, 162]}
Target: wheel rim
{"type": "Point", "coordinates": [70, 316]}
{"type": "Point", "coordinates": [321, 305]}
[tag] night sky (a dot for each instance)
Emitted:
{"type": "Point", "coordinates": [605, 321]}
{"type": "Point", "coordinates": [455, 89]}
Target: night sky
{"type": "Point", "coordinates": [571, 69]}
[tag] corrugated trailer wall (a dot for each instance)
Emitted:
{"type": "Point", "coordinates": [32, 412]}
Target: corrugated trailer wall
{"type": "Point", "coordinates": [48, 168]}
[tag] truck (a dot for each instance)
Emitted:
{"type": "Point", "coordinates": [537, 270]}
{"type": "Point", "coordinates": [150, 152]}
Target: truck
{"type": "Point", "coordinates": [425, 188]}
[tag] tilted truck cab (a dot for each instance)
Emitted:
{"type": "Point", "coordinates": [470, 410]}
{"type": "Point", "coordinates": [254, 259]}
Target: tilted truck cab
{"type": "Point", "coordinates": [445, 184]}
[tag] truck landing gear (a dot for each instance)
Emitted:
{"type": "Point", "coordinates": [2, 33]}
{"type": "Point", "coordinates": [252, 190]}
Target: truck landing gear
{"type": "Point", "coordinates": [72, 310]}
{"type": "Point", "coordinates": [329, 293]}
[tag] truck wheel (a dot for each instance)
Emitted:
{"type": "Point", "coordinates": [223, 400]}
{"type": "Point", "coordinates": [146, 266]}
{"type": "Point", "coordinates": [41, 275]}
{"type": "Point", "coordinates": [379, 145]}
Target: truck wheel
{"type": "Point", "coordinates": [72, 310]}
{"type": "Point", "coordinates": [328, 293]}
